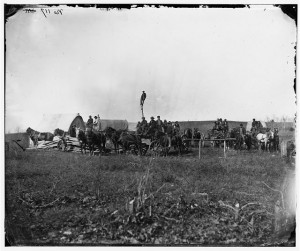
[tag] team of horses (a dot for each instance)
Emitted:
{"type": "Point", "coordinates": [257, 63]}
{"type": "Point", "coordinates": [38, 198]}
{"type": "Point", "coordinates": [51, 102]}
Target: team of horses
{"type": "Point", "coordinates": [267, 140]}
{"type": "Point", "coordinates": [159, 141]}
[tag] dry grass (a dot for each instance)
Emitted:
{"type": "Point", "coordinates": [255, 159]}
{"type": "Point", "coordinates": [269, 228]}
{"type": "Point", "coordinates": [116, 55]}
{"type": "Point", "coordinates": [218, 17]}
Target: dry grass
{"type": "Point", "coordinates": [86, 189]}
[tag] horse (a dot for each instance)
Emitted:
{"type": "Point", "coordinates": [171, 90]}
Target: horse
{"type": "Point", "coordinates": [176, 141]}
{"type": "Point", "coordinates": [131, 142]}
{"type": "Point", "coordinates": [239, 139]}
{"type": "Point", "coordinates": [275, 140]}
{"type": "Point", "coordinates": [36, 136]}
{"type": "Point", "coordinates": [162, 141]}
{"type": "Point", "coordinates": [250, 141]}
{"type": "Point", "coordinates": [58, 132]}
{"type": "Point", "coordinates": [95, 138]}
{"type": "Point", "coordinates": [197, 135]}
{"type": "Point", "coordinates": [80, 135]}
{"type": "Point", "coordinates": [113, 135]}
{"type": "Point", "coordinates": [186, 137]}
{"type": "Point", "coordinates": [265, 139]}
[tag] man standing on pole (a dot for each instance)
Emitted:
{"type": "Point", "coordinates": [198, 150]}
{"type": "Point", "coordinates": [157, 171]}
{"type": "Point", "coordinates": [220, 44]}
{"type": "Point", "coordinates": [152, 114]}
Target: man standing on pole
{"type": "Point", "coordinates": [143, 97]}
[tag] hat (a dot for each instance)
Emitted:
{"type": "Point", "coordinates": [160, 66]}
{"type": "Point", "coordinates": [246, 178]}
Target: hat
{"type": "Point", "coordinates": [241, 124]}
{"type": "Point", "coordinates": [152, 117]}
{"type": "Point", "coordinates": [143, 117]}
{"type": "Point", "coordinates": [158, 116]}
{"type": "Point", "coordinates": [95, 117]}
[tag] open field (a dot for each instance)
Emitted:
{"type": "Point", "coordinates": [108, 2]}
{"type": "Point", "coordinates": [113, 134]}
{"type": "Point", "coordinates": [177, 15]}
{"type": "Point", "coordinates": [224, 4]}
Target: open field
{"type": "Point", "coordinates": [57, 198]}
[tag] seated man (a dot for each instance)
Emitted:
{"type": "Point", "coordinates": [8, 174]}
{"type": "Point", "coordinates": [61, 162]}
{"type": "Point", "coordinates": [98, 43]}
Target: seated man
{"type": "Point", "coordinates": [152, 127]}
{"type": "Point", "coordinates": [143, 125]}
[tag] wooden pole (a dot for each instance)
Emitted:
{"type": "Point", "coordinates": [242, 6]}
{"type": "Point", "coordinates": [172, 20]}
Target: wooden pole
{"type": "Point", "coordinates": [224, 148]}
{"type": "Point", "coordinates": [193, 143]}
{"type": "Point", "coordinates": [200, 149]}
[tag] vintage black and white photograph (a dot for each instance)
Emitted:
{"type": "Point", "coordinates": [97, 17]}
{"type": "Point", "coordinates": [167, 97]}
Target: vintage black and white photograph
{"type": "Point", "coordinates": [150, 125]}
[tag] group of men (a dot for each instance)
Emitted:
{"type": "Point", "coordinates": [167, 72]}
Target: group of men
{"type": "Point", "coordinates": [256, 126]}
{"type": "Point", "coordinates": [143, 127]}
{"type": "Point", "coordinates": [221, 125]}
{"type": "Point", "coordinates": [96, 125]}
{"type": "Point", "coordinates": [154, 127]}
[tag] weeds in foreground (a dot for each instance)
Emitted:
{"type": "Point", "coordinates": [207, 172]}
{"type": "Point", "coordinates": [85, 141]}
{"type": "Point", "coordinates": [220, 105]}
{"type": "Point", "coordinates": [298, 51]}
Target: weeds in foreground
{"type": "Point", "coordinates": [69, 198]}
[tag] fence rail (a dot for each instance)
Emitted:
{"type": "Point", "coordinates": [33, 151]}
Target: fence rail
{"type": "Point", "coordinates": [200, 141]}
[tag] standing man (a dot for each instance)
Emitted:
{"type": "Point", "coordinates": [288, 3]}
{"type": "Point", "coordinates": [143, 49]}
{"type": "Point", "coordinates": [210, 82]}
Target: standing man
{"type": "Point", "coordinates": [97, 123]}
{"type": "Point", "coordinates": [165, 125]}
{"type": "Point", "coordinates": [242, 131]}
{"type": "Point", "coordinates": [159, 124]}
{"type": "Point", "coordinates": [152, 127]}
{"type": "Point", "coordinates": [169, 132]}
{"type": "Point", "coordinates": [142, 100]}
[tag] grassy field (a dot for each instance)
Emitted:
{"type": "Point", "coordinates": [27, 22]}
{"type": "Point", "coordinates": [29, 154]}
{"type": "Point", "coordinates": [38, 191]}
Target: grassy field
{"type": "Point", "coordinates": [57, 198]}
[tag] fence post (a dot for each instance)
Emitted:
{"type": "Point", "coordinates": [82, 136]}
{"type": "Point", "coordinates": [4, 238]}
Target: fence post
{"type": "Point", "coordinates": [200, 148]}
{"type": "Point", "coordinates": [224, 148]}
{"type": "Point", "coordinates": [193, 142]}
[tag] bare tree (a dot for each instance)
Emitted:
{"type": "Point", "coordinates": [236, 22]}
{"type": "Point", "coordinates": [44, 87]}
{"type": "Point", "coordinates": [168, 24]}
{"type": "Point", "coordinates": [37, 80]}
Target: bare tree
{"type": "Point", "coordinates": [283, 119]}
{"type": "Point", "coordinates": [17, 130]}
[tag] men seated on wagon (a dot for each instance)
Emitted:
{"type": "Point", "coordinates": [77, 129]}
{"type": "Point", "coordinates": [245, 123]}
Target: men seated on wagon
{"type": "Point", "coordinates": [220, 125]}
{"type": "Point", "coordinates": [152, 125]}
{"type": "Point", "coordinates": [89, 123]}
{"type": "Point", "coordinates": [143, 125]}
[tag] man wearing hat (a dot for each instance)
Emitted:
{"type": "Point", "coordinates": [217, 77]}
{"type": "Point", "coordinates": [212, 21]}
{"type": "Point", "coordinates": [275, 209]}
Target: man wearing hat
{"type": "Point", "coordinates": [89, 123]}
{"type": "Point", "coordinates": [96, 123]}
{"type": "Point", "coordinates": [143, 97]}
{"type": "Point", "coordinates": [242, 131]}
{"type": "Point", "coordinates": [143, 125]}
{"type": "Point", "coordinates": [152, 125]}
{"type": "Point", "coordinates": [159, 124]}
{"type": "Point", "coordinates": [165, 125]}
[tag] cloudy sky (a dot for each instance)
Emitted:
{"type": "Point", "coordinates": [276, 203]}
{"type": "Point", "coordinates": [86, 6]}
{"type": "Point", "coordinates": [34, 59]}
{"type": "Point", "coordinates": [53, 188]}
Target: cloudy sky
{"type": "Point", "coordinates": [193, 63]}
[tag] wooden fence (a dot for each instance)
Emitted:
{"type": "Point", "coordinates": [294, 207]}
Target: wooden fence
{"type": "Point", "coordinates": [202, 140]}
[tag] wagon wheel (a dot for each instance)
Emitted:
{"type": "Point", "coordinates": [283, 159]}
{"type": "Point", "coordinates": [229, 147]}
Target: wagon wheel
{"type": "Point", "coordinates": [144, 149]}
{"type": "Point", "coordinates": [60, 145]}
{"type": "Point", "coordinates": [134, 149]}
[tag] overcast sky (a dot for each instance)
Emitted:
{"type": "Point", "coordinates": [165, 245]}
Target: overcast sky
{"type": "Point", "coordinates": [194, 64]}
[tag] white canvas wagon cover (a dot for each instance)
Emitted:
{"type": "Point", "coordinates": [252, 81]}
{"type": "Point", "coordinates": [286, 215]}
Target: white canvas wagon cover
{"type": "Point", "coordinates": [115, 124]}
{"type": "Point", "coordinates": [249, 125]}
